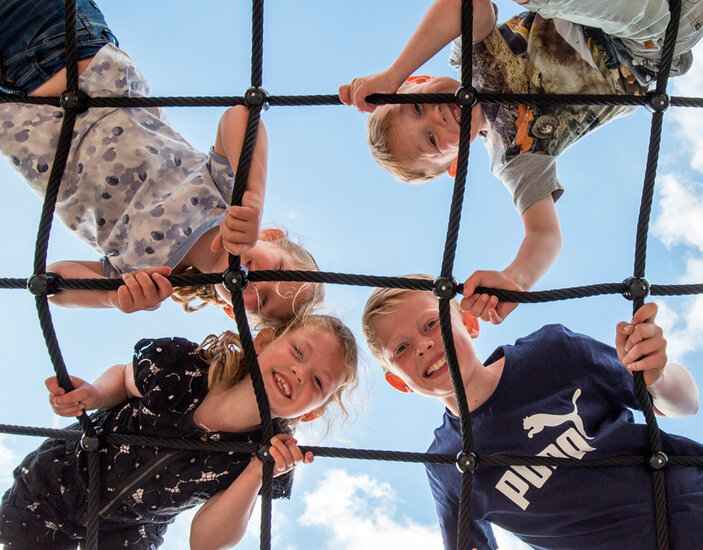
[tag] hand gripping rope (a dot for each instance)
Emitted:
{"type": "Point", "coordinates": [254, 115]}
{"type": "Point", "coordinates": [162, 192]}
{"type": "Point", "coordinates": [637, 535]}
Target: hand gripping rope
{"type": "Point", "coordinates": [445, 287]}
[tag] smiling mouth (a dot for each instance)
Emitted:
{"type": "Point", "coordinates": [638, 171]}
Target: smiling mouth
{"type": "Point", "coordinates": [456, 113]}
{"type": "Point", "coordinates": [282, 384]}
{"type": "Point", "coordinates": [438, 365]}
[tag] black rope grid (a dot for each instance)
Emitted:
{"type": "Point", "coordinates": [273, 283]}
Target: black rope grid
{"type": "Point", "coordinates": [445, 287]}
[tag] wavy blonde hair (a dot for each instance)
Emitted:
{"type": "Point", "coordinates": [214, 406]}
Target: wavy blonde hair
{"type": "Point", "coordinates": [306, 299]}
{"type": "Point", "coordinates": [227, 366]}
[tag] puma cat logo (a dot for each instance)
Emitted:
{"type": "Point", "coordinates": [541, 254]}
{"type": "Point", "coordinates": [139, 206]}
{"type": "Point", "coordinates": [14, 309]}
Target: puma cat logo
{"type": "Point", "coordinates": [535, 423]}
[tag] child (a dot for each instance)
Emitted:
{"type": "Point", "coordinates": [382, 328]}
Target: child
{"type": "Point", "coordinates": [553, 393]}
{"type": "Point", "coordinates": [175, 388]}
{"type": "Point", "coordinates": [558, 47]}
{"type": "Point", "coordinates": [133, 188]}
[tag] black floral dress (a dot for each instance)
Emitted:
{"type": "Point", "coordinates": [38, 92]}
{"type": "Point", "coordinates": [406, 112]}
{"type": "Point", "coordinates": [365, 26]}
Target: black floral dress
{"type": "Point", "coordinates": [142, 488]}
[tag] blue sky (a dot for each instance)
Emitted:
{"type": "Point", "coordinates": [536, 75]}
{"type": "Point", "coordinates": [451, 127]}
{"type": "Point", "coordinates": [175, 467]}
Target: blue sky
{"type": "Point", "coordinates": [324, 187]}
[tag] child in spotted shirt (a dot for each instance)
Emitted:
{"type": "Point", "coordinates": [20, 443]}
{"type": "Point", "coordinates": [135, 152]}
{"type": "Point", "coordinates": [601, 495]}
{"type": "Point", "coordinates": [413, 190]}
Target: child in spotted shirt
{"type": "Point", "coordinates": [175, 388]}
{"type": "Point", "coordinates": [134, 189]}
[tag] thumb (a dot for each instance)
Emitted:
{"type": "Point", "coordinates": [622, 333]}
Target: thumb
{"type": "Point", "coordinates": [344, 94]}
{"type": "Point", "coordinates": [216, 243]}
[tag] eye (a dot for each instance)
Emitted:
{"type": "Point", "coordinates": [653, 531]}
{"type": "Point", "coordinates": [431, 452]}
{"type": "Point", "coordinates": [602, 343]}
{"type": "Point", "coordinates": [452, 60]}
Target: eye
{"type": "Point", "coordinates": [298, 352]}
{"type": "Point", "coordinates": [432, 139]}
{"type": "Point", "coordinates": [432, 323]}
{"type": "Point", "coordinates": [400, 349]}
{"type": "Point", "coordinates": [417, 109]}
{"type": "Point", "coordinates": [318, 381]}
{"type": "Point", "coordinates": [263, 302]}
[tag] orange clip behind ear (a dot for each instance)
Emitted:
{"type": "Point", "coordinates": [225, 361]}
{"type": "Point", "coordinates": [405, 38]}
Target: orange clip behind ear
{"type": "Point", "coordinates": [229, 310]}
{"type": "Point", "coordinates": [471, 324]}
{"type": "Point", "coordinates": [452, 169]}
{"type": "Point", "coordinates": [418, 79]}
{"type": "Point", "coordinates": [397, 382]}
{"type": "Point", "coordinates": [310, 416]}
{"type": "Point", "coordinates": [271, 234]}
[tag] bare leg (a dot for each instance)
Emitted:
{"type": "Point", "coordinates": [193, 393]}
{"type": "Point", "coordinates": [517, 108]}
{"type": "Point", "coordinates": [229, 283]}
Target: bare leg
{"type": "Point", "coordinates": [56, 85]}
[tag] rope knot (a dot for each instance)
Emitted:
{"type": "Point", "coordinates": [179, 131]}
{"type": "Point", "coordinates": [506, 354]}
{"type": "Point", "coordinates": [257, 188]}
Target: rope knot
{"type": "Point", "coordinates": [256, 97]}
{"type": "Point", "coordinates": [235, 281]}
{"type": "Point", "coordinates": [43, 284]}
{"type": "Point", "coordinates": [636, 288]}
{"type": "Point", "coordinates": [444, 287]}
{"type": "Point", "coordinates": [467, 462]}
{"type": "Point", "coordinates": [74, 100]}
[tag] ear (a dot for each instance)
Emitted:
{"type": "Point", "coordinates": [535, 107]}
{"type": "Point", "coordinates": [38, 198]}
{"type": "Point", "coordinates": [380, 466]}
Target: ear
{"type": "Point", "coordinates": [271, 234]}
{"type": "Point", "coordinates": [452, 169]}
{"type": "Point", "coordinates": [229, 310]}
{"type": "Point", "coordinates": [310, 416]}
{"type": "Point", "coordinates": [263, 339]}
{"type": "Point", "coordinates": [471, 324]}
{"type": "Point", "coordinates": [397, 382]}
{"type": "Point", "coordinates": [418, 79]}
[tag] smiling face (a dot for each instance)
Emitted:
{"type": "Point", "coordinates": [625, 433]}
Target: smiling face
{"type": "Point", "coordinates": [410, 341]}
{"type": "Point", "coordinates": [301, 370]}
{"type": "Point", "coordinates": [424, 136]}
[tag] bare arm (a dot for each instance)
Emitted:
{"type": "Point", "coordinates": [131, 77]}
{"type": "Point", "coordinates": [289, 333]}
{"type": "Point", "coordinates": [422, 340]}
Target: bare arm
{"type": "Point", "coordinates": [222, 521]}
{"type": "Point", "coordinates": [114, 386]}
{"type": "Point", "coordinates": [239, 230]}
{"type": "Point", "coordinates": [641, 347]}
{"type": "Point", "coordinates": [144, 289]}
{"type": "Point", "coordinates": [440, 25]}
{"type": "Point", "coordinates": [539, 249]}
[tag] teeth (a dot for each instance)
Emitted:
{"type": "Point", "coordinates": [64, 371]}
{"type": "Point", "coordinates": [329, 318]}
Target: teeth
{"type": "Point", "coordinates": [456, 113]}
{"type": "Point", "coordinates": [435, 366]}
{"type": "Point", "coordinates": [282, 384]}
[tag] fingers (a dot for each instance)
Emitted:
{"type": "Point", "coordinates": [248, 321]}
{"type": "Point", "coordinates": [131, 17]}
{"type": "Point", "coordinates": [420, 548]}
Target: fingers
{"type": "Point", "coordinates": [482, 306]}
{"type": "Point", "coordinates": [286, 453]}
{"type": "Point", "coordinates": [67, 404]}
{"type": "Point", "coordinates": [240, 228]}
{"type": "Point", "coordinates": [645, 314]}
{"type": "Point", "coordinates": [344, 94]}
{"type": "Point", "coordinates": [144, 289]}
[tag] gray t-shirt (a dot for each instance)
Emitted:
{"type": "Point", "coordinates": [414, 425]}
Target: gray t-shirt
{"type": "Point", "coordinates": [134, 189]}
{"type": "Point", "coordinates": [530, 54]}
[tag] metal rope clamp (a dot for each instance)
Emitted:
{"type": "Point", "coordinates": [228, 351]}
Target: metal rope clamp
{"type": "Point", "coordinates": [466, 97]}
{"type": "Point", "coordinates": [43, 284]}
{"type": "Point", "coordinates": [235, 281]}
{"type": "Point", "coordinates": [658, 103]}
{"type": "Point", "coordinates": [257, 97]}
{"type": "Point", "coordinates": [74, 100]}
{"type": "Point", "coordinates": [263, 454]}
{"type": "Point", "coordinates": [658, 460]}
{"type": "Point", "coordinates": [91, 443]}
{"type": "Point", "coordinates": [444, 287]}
{"type": "Point", "coordinates": [636, 288]}
{"type": "Point", "coordinates": [467, 462]}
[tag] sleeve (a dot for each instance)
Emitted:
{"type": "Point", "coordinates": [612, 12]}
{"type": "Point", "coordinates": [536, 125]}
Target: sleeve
{"type": "Point", "coordinates": [163, 369]}
{"type": "Point", "coordinates": [601, 365]}
{"type": "Point", "coordinates": [447, 504]}
{"type": "Point", "coordinates": [530, 177]}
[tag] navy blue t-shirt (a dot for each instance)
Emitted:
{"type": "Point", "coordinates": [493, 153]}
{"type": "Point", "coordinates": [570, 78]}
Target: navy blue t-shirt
{"type": "Point", "coordinates": [563, 394]}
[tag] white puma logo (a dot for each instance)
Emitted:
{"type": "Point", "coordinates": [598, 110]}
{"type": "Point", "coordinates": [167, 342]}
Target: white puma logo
{"type": "Point", "coordinates": [537, 422]}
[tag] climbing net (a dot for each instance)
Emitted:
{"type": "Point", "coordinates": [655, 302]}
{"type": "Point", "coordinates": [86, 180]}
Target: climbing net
{"type": "Point", "coordinates": [636, 288]}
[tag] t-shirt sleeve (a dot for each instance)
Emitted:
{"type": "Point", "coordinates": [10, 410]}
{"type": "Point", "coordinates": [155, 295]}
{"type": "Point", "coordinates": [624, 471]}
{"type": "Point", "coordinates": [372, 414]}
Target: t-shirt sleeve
{"type": "Point", "coordinates": [447, 505]}
{"type": "Point", "coordinates": [530, 177]}
{"type": "Point", "coordinates": [164, 370]}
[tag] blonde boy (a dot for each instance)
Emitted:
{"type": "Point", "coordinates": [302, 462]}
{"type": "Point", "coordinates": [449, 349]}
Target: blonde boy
{"type": "Point", "coordinates": [552, 393]}
{"type": "Point", "coordinates": [559, 46]}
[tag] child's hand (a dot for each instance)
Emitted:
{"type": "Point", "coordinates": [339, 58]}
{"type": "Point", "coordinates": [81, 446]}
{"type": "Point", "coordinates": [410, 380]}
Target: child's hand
{"type": "Point", "coordinates": [641, 345]}
{"type": "Point", "coordinates": [356, 92]}
{"type": "Point", "coordinates": [240, 228]}
{"type": "Point", "coordinates": [286, 454]}
{"type": "Point", "coordinates": [144, 289]}
{"type": "Point", "coordinates": [485, 306]}
{"type": "Point", "coordinates": [83, 397]}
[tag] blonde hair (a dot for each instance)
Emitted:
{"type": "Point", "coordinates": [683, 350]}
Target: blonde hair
{"type": "Point", "coordinates": [225, 358]}
{"type": "Point", "coordinates": [381, 302]}
{"type": "Point", "coordinates": [306, 299]}
{"type": "Point", "coordinates": [377, 134]}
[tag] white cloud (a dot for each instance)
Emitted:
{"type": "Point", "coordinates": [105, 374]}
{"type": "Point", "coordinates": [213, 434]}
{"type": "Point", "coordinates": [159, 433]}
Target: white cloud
{"type": "Point", "coordinates": [680, 220]}
{"type": "Point", "coordinates": [8, 460]}
{"type": "Point", "coordinates": [358, 511]}
{"type": "Point", "coordinates": [690, 119]}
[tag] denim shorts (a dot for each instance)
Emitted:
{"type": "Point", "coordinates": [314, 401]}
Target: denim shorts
{"type": "Point", "coordinates": [32, 45]}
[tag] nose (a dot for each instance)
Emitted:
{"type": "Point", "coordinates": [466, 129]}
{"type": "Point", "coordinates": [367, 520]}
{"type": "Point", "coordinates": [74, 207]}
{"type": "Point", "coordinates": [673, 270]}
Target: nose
{"type": "Point", "coordinates": [424, 347]}
{"type": "Point", "coordinates": [299, 373]}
